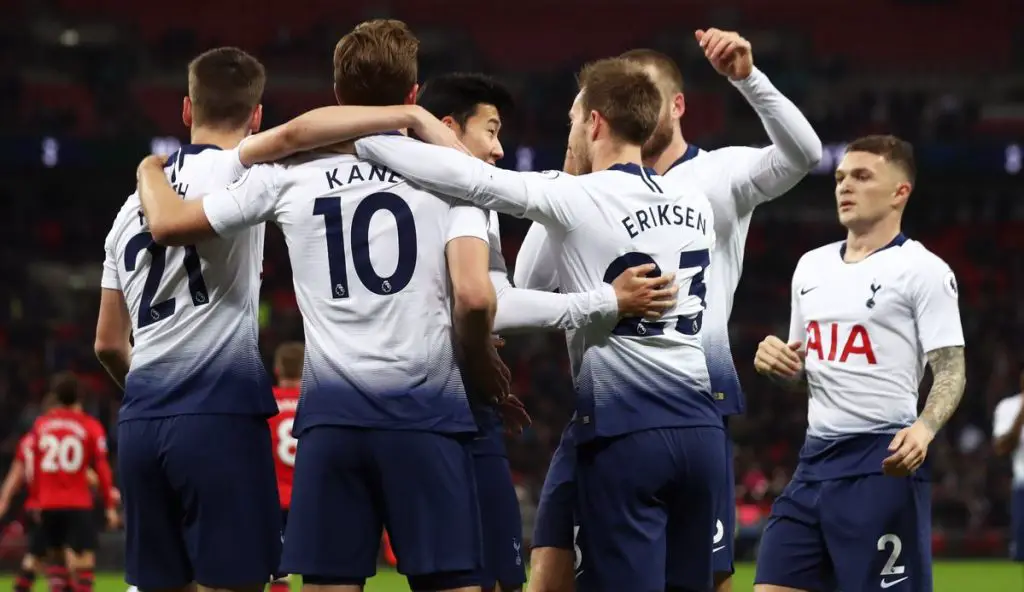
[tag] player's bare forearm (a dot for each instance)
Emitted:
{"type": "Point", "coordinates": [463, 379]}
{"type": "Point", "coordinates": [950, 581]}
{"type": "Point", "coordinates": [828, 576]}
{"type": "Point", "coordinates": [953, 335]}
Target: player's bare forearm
{"type": "Point", "coordinates": [323, 127]}
{"type": "Point", "coordinates": [116, 363]}
{"type": "Point", "coordinates": [950, 377]}
{"type": "Point", "coordinates": [172, 221]}
{"type": "Point", "coordinates": [12, 482]}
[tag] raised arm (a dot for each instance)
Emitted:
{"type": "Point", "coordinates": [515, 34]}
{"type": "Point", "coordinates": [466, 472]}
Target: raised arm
{"type": "Point", "coordinates": [550, 198]}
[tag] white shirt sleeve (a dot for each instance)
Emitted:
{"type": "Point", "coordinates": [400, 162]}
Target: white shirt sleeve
{"type": "Point", "coordinates": [1005, 413]}
{"type": "Point", "coordinates": [933, 293]}
{"type": "Point", "coordinates": [110, 280]}
{"type": "Point", "coordinates": [797, 329]}
{"type": "Point", "coordinates": [249, 201]}
{"type": "Point", "coordinates": [551, 198]}
{"type": "Point", "coordinates": [520, 309]}
{"type": "Point", "coordinates": [795, 148]}
{"type": "Point", "coordinates": [536, 268]}
{"type": "Point", "coordinates": [466, 220]}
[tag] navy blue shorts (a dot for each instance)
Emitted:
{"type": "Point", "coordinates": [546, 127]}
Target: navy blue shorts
{"type": "Point", "coordinates": [859, 533]}
{"type": "Point", "coordinates": [1017, 523]}
{"type": "Point", "coordinates": [723, 545]}
{"type": "Point", "coordinates": [553, 525]}
{"type": "Point", "coordinates": [500, 523]}
{"type": "Point", "coordinates": [350, 483]}
{"type": "Point", "coordinates": [647, 504]}
{"type": "Point", "coordinates": [200, 501]}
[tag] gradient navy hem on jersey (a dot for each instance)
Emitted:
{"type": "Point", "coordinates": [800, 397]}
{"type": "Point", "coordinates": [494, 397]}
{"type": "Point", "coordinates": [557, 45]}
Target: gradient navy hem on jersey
{"type": "Point", "coordinates": [607, 405]}
{"type": "Point", "coordinates": [858, 533]}
{"type": "Point", "coordinates": [350, 483]}
{"type": "Point", "coordinates": [648, 501]}
{"type": "Point", "coordinates": [725, 381]}
{"type": "Point", "coordinates": [823, 459]}
{"type": "Point", "coordinates": [228, 382]}
{"type": "Point", "coordinates": [553, 525]}
{"type": "Point", "coordinates": [1017, 523]}
{"type": "Point", "coordinates": [200, 499]}
{"type": "Point", "coordinates": [501, 523]}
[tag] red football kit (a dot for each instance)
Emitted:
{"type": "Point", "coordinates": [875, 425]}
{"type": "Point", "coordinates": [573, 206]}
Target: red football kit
{"type": "Point", "coordinates": [67, 444]}
{"type": "Point", "coordinates": [26, 455]}
{"type": "Point", "coordinates": [284, 443]}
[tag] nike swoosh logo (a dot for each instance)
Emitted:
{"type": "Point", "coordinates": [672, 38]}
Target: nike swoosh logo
{"type": "Point", "coordinates": [717, 549]}
{"type": "Point", "coordinates": [886, 584]}
{"type": "Point", "coordinates": [806, 290]}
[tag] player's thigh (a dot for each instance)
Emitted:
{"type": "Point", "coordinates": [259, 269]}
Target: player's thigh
{"type": "Point", "coordinates": [501, 524]}
{"type": "Point", "coordinates": [430, 507]}
{"type": "Point", "coordinates": [878, 532]}
{"type": "Point", "coordinates": [155, 553]}
{"type": "Point", "coordinates": [334, 522]}
{"type": "Point", "coordinates": [37, 546]}
{"type": "Point", "coordinates": [697, 502]}
{"type": "Point", "coordinates": [552, 570]}
{"type": "Point", "coordinates": [723, 543]}
{"type": "Point", "coordinates": [623, 518]}
{"type": "Point", "coordinates": [1017, 523]}
{"type": "Point", "coordinates": [553, 524]}
{"type": "Point", "coordinates": [222, 468]}
{"type": "Point", "coordinates": [83, 532]}
{"type": "Point", "coordinates": [792, 552]}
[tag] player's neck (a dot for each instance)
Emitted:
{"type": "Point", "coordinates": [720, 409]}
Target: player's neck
{"type": "Point", "coordinates": [673, 152]}
{"type": "Point", "coordinates": [607, 154]}
{"type": "Point", "coordinates": [215, 137]}
{"type": "Point", "coordinates": [860, 244]}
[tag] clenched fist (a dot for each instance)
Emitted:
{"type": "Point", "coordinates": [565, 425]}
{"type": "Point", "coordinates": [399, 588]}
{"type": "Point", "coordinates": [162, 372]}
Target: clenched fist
{"type": "Point", "coordinates": [728, 52]}
{"type": "Point", "coordinates": [777, 358]}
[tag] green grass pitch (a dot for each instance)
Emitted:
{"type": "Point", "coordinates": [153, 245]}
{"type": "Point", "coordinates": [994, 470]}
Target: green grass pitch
{"type": "Point", "coordinates": [950, 576]}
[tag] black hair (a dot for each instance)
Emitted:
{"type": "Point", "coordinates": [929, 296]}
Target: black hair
{"type": "Point", "coordinates": [458, 95]}
{"type": "Point", "coordinates": [65, 387]}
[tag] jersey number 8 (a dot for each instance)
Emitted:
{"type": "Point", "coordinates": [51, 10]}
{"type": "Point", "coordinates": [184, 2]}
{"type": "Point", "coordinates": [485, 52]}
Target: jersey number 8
{"type": "Point", "coordinates": [638, 327]}
{"type": "Point", "coordinates": [330, 209]}
{"type": "Point", "coordinates": [150, 312]}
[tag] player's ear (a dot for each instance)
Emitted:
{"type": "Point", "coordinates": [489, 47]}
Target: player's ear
{"type": "Point", "coordinates": [596, 123]}
{"type": "Point", "coordinates": [902, 193]}
{"type": "Point", "coordinates": [186, 112]}
{"type": "Point", "coordinates": [256, 120]}
{"type": "Point", "coordinates": [410, 99]}
{"type": "Point", "coordinates": [450, 122]}
{"type": "Point", "coordinates": [678, 105]}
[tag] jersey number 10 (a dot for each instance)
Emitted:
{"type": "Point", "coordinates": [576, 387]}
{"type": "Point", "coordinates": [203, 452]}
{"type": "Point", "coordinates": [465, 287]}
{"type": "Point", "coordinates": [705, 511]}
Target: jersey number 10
{"type": "Point", "coordinates": [150, 312]}
{"type": "Point", "coordinates": [330, 209]}
{"type": "Point", "coordinates": [638, 327]}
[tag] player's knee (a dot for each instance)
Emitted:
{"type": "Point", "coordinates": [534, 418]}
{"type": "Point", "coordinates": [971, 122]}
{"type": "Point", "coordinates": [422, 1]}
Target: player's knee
{"type": "Point", "coordinates": [445, 580]}
{"type": "Point", "coordinates": [551, 570]}
{"type": "Point", "coordinates": [723, 582]}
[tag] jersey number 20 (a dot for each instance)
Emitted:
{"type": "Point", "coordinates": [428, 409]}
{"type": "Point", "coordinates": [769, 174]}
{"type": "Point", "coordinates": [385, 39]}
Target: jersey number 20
{"type": "Point", "coordinates": [150, 312]}
{"type": "Point", "coordinates": [330, 209]}
{"type": "Point", "coordinates": [638, 327]}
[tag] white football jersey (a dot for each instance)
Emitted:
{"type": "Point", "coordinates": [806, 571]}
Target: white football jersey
{"type": "Point", "coordinates": [866, 329]}
{"type": "Point", "coordinates": [1002, 423]}
{"type": "Point", "coordinates": [634, 374]}
{"type": "Point", "coordinates": [367, 251]}
{"type": "Point", "coordinates": [194, 309]}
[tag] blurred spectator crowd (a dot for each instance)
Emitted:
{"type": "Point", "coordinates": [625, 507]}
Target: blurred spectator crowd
{"type": "Point", "coordinates": [110, 70]}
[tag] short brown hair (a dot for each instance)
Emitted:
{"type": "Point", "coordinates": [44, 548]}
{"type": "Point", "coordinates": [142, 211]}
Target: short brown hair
{"type": "Point", "coordinates": [375, 64]}
{"type": "Point", "coordinates": [624, 94]}
{"type": "Point", "coordinates": [894, 150]}
{"type": "Point", "coordinates": [288, 360]}
{"type": "Point", "coordinates": [666, 66]}
{"type": "Point", "coordinates": [225, 85]}
{"type": "Point", "coordinates": [64, 387]}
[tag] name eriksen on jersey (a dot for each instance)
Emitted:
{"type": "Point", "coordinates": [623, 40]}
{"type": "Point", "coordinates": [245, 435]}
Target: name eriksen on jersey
{"type": "Point", "coordinates": [664, 215]}
{"type": "Point", "coordinates": [361, 172]}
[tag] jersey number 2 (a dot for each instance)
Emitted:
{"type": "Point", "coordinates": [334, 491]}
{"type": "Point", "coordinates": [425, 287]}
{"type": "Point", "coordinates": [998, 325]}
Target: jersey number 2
{"type": "Point", "coordinates": [150, 312]}
{"type": "Point", "coordinates": [330, 209]}
{"type": "Point", "coordinates": [638, 327]}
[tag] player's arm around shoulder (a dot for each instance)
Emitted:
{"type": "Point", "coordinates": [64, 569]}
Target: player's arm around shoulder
{"type": "Point", "coordinates": [173, 221]}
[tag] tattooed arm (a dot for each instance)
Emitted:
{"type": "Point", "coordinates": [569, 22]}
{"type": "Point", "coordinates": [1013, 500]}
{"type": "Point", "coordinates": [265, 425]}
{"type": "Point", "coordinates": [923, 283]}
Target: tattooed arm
{"type": "Point", "coordinates": [950, 378]}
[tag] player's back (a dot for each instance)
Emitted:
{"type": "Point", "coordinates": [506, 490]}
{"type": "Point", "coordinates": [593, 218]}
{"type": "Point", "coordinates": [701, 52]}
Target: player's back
{"type": "Point", "coordinates": [644, 373]}
{"type": "Point", "coordinates": [194, 309]}
{"type": "Point", "coordinates": [368, 261]}
{"type": "Point", "coordinates": [283, 441]}
{"type": "Point", "coordinates": [66, 445]}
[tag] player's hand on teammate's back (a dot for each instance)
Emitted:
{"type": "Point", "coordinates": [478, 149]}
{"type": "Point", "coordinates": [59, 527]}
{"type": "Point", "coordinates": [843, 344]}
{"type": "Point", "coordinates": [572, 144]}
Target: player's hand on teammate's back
{"type": "Point", "coordinates": [775, 357]}
{"type": "Point", "coordinates": [729, 53]}
{"type": "Point", "coordinates": [432, 130]}
{"type": "Point", "coordinates": [909, 448]}
{"type": "Point", "coordinates": [642, 296]}
{"type": "Point", "coordinates": [514, 416]}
